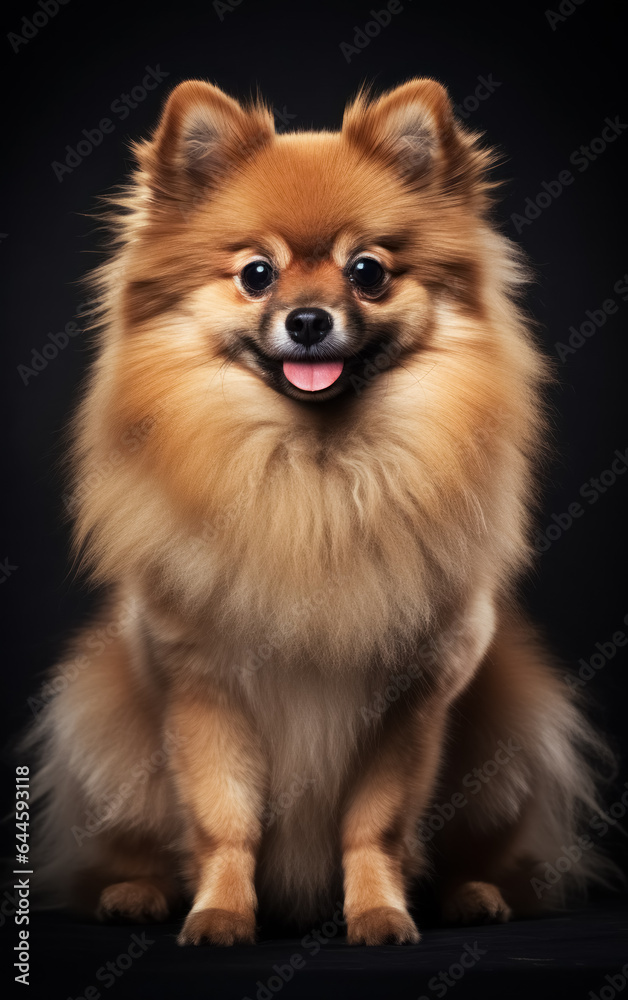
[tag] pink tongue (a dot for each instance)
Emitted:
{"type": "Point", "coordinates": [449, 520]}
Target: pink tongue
{"type": "Point", "coordinates": [312, 375]}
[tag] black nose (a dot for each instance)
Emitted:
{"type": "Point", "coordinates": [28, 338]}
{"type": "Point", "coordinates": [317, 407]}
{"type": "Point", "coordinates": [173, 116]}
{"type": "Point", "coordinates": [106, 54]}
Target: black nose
{"type": "Point", "coordinates": [308, 326]}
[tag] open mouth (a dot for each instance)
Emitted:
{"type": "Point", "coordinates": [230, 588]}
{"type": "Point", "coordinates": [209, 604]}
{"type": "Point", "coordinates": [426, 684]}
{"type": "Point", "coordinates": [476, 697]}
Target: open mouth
{"type": "Point", "coordinates": [323, 378]}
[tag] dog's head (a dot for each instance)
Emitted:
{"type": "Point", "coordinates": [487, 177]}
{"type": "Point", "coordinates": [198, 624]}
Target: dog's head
{"type": "Point", "coordinates": [312, 261]}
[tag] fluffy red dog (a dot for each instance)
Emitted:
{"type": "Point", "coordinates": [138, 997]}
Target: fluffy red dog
{"type": "Point", "coordinates": [304, 470]}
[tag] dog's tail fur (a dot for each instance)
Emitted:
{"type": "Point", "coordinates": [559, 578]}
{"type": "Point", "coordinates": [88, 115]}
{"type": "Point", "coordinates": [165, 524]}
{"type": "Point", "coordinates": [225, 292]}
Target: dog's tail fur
{"type": "Point", "coordinates": [531, 770]}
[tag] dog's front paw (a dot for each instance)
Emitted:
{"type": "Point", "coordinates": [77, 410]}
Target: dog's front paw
{"type": "Point", "coordinates": [216, 926]}
{"type": "Point", "coordinates": [382, 925]}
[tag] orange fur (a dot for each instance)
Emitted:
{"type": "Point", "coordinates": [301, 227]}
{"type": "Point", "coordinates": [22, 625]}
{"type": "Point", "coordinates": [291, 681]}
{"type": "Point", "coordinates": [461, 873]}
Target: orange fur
{"type": "Point", "coordinates": [323, 590]}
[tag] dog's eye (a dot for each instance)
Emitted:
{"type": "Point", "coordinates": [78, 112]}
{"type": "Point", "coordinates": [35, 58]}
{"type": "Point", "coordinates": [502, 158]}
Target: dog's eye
{"type": "Point", "coordinates": [257, 276]}
{"type": "Point", "coordinates": [366, 273]}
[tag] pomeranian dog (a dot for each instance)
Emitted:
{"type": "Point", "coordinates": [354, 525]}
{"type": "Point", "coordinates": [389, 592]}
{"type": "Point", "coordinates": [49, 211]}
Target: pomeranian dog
{"type": "Point", "coordinates": [304, 469]}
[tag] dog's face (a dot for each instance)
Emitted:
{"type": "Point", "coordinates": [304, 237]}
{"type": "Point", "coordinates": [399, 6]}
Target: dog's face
{"type": "Point", "coordinates": [316, 303]}
{"type": "Point", "coordinates": [311, 261]}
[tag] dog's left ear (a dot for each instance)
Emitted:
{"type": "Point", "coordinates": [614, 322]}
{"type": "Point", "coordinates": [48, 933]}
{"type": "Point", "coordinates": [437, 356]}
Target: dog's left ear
{"type": "Point", "coordinates": [411, 128]}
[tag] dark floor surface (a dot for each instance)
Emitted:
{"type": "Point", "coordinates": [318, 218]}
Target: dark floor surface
{"type": "Point", "coordinates": [573, 955]}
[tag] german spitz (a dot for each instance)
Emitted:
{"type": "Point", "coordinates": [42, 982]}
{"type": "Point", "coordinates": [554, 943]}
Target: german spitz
{"type": "Point", "coordinates": [304, 472]}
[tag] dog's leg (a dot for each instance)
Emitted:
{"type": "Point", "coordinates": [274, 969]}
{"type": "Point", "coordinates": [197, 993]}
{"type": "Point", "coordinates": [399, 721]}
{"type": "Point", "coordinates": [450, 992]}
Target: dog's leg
{"type": "Point", "coordinates": [474, 903]}
{"type": "Point", "coordinates": [378, 823]}
{"type": "Point", "coordinates": [382, 817]}
{"type": "Point", "coordinates": [142, 890]}
{"type": "Point", "coordinates": [469, 884]}
{"type": "Point", "coordinates": [220, 775]}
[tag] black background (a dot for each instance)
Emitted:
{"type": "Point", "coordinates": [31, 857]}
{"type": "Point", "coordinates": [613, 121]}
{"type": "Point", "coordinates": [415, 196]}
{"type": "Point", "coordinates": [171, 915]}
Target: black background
{"type": "Point", "coordinates": [556, 88]}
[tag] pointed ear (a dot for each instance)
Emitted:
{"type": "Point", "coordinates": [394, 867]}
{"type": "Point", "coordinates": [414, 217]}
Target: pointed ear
{"type": "Point", "coordinates": [411, 128]}
{"type": "Point", "coordinates": [202, 134]}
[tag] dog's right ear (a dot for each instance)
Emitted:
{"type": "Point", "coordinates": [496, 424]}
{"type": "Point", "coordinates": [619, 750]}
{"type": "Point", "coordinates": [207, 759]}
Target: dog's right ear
{"type": "Point", "coordinates": [202, 133]}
